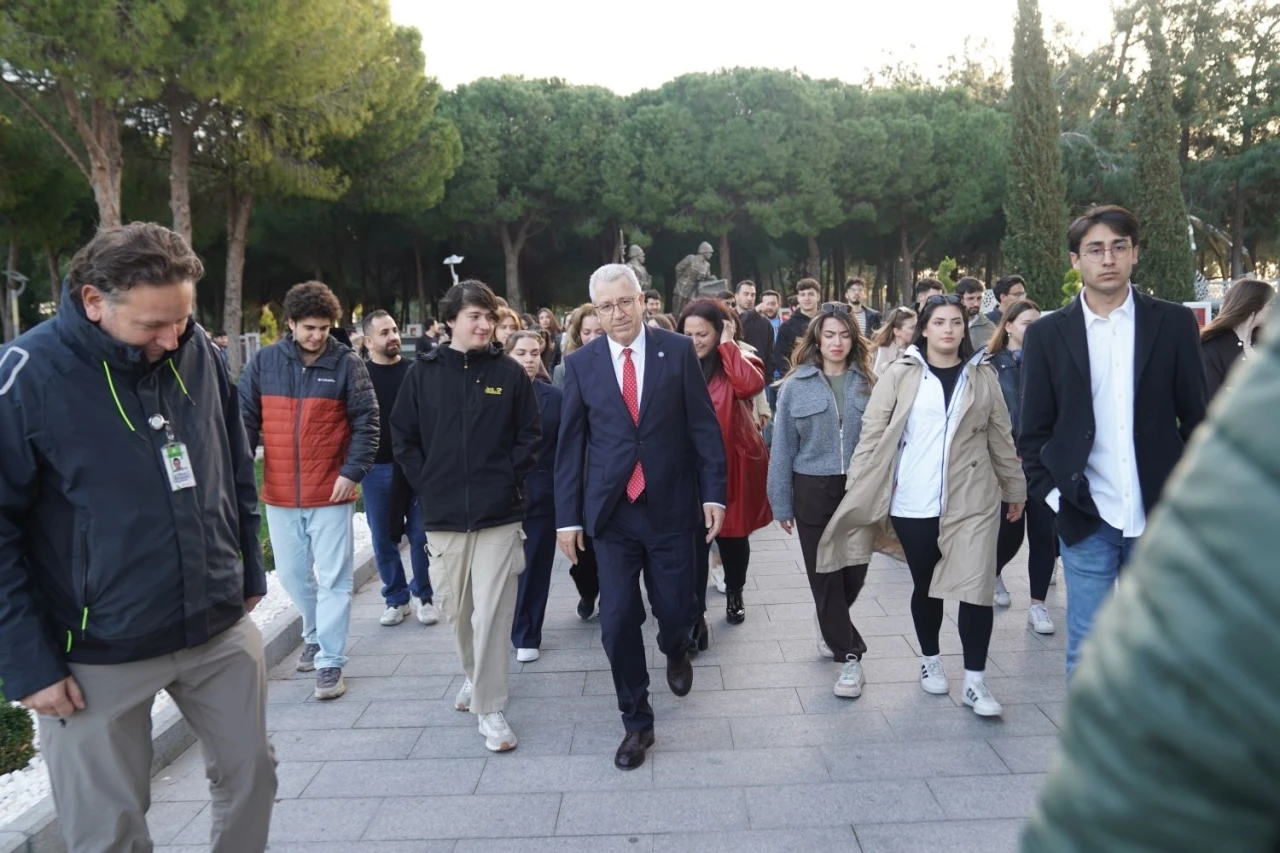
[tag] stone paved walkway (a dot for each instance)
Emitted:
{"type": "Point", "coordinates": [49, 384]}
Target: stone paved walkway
{"type": "Point", "coordinates": [759, 757]}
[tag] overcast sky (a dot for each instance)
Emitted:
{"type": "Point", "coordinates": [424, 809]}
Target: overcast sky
{"type": "Point", "coordinates": [632, 46]}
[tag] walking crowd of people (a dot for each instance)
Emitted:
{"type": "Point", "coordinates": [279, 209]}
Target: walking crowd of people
{"type": "Point", "coordinates": [642, 447]}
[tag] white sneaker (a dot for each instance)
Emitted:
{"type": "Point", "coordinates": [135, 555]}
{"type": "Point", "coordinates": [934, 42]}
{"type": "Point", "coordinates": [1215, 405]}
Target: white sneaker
{"type": "Point", "coordinates": [427, 613]}
{"type": "Point", "coordinates": [1057, 570]}
{"type": "Point", "coordinates": [463, 702]}
{"type": "Point", "coordinates": [526, 655]}
{"type": "Point", "coordinates": [977, 695]}
{"type": "Point", "coordinates": [1038, 619]}
{"type": "Point", "coordinates": [824, 649]}
{"type": "Point", "coordinates": [498, 736]}
{"type": "Point", "coordinates": [1002, 594]}
{"type": "Point", "coordinates": [932, 678]}
{"type": "Point", "coordinates": [394, 615]}
{"type": "Point", "coordinates": [717, 574]}
{"type": "Point", "coordinates": [849, 684]}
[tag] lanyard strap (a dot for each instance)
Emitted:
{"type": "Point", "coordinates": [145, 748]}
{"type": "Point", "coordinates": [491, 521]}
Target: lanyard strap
{"type": "Point", "coordinates": [120, 408]}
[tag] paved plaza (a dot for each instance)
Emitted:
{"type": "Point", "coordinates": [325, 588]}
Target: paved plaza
{"type": "Point", "coordinates": [761, 756]}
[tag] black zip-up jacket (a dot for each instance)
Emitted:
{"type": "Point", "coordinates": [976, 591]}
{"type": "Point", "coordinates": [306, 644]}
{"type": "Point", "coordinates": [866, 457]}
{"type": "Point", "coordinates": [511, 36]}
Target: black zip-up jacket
{"type": "Point", "coordinates": [100, 561]}
{"type": "Point", "coordinates": [465, 430]}
{"type": "Point", "coordinates": [788, 333]}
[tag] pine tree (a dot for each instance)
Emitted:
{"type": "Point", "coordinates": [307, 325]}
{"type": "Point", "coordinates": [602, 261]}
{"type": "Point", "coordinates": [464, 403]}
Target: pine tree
{"type": "Point", "coordinates": [1035, 240]}
{"type": "Point", "coordinates": [1165, 264]}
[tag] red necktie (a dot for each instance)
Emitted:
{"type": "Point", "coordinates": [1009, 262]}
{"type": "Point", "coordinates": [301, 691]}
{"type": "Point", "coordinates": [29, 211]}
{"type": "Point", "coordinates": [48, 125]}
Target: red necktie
{"type": "Point", "coordinates": [631, 396]}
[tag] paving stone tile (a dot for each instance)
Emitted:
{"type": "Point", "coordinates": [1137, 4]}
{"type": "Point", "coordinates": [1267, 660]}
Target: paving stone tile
{"type": "Point", "coordinates": [889, 800]}
{"type": "Point", "coordinates": [651, 811]}
{"type": "Point", "coordinates": [286, 691]}
{"type": "Point", "coordinates": [391, 687]}
{"type": "Point", "coordinates": [343, 847]}
{"type": "Point", "coordinates": [882, 670]}
{"type": "Point", "coordinates": [777, 565]}
{"type": "Point", "coordinates": [559, 844]}
{"type": "Point", "coordinates": [675, 736]}
{"type": "Point", "coordinates": [477, 816]}
{"type": "Point", "coordinates": [961, 722]}
{"type": "Point", "coordinates": [409, 714]}
{"type": "Point", "coordinates": [412, 777]}
{"type": "Point", "coordinates": [822, 700]}
{"type": "Point", "coordinates": [1017, 690]}
{"type": "Point", "coordinates": [738, 768]}
{"type": "Point", "coordinates": [879, 648]}
{"type": "Point", "coordinates": [860, 762]}
{"type": "Point", "coordinates": [405, 638]}
{"type": "Point", "coordinates": [600, 682]}
{"type": "Point", "coordinates": [1025, 754]}
{"type": "Point", "coordinates": [970, 836]}
{"type": "Point", "coordinates": [795, 594]}
{"type": "Point", "coordinates": [763, 631]}
{"type": "Point", "coordinates": [789, 612]}
{"type": "Point", "coordinates": [1056, 711]}
{"type": "Point", "coordinates": [334, 714]}
{"type": "Point", "coordinates": [536, 685]}
{"type": "Point", "coordinates": [972, 797]}
{"type": "Point", "coordinates": [357, 665]}
{"type": "Point", "coordinates": [725, 703]}
{"type": "Point", "coordinates": [167, 821]}
{"type": "Point", "coordinates": [342, 819]}
{"type": "Point", "coordinates": [742, 676]}
{"type": "Point", "coordinates": [949, 640]}
{"type": "Point", "coordinates": [572, 639]}
{"type": "Point", "coordinates": [515, 774]}
{"type": "Point", "coordinates": [722, 653]}
{"type": "Point", "coordinates": [345, 744]}
{"type": "Point", "coordinates": [762, 544]}
{"type": "Point", "coordinates": [292, 778]}
{"type": "Point", "coordinates": [788, 580]}
{"type": "Point", "coordinates": [537, 737]}
{"type": "Point", "coordinates": [570, 660]}
{"type": "Point", "coordinates": [760, 841]}
{"type": "Point", "coordinates": [444, 663]}
{"type": "Point", "coordinates": [867, 726]}
{"type": "Point", "coordinates": [1049, 663]}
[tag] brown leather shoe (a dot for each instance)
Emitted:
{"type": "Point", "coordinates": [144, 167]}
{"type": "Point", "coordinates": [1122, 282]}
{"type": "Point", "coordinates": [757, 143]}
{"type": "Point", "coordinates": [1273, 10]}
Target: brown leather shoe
{"type": "Point", "coordinates": [680, 674]}
{"type": "Point", "coordinates": [630, 754]}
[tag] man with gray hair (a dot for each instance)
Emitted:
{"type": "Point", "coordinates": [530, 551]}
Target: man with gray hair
{"type": "Point", "coordinates": [636, 405]}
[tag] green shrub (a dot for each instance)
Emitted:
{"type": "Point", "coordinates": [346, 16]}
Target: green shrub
{"type": "Point", "coordinates": [17, 738]}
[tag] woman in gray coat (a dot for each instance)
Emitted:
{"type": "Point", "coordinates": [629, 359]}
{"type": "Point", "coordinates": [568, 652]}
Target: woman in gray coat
{"type": "Point", "coordinates": [816, 427]}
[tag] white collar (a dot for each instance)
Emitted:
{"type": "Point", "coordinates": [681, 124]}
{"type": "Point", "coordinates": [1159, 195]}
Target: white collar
{"type": "Point", "coordinates": [637, 347]}
{"type": "Point", "coordinates": [1124, 310]}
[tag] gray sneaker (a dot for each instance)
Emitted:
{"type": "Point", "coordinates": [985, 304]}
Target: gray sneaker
{"type": "Point", "coordinates": [329, 683]}
{"type": "Point", "coordinates": [307, 660]}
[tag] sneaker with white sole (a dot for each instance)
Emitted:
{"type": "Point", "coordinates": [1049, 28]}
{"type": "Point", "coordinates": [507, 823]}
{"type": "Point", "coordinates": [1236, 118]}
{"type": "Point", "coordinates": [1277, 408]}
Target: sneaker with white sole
{"type": "Point", "coordinates": [1057, 570]}
{"type": "Point", "coordinates": [526, 655]}
{"type": "Point", "coordinates": [932, 677]}
{"type": "Point", "coordinates": [394, 615]}
{"type": "Point", "coordinates": [1038, 619]}
{"type": "Point", "coordinates": [1002, 594]}
{"type": "Point", "coordinates": [329, 683]}
{"type": "Point", "coordinates": [849, 685]}
{"type": "Point", "coordinates": [977, 695]}
{"type": "Point", "coordinates": [307, 660]}
{"type": "Point", "coordinates": [717, 574]}
{"type": "Point", "coordinates": [426, 612]}
{"type": "Point", "coordinates": [498, 736]}
{"type": "Point", "coordinates": [463, 701]}
{"type": "Point", "coordinates": [824, 649]}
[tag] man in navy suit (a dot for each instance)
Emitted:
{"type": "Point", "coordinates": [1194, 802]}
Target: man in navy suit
{"type": "Point", "coordinates": [641, 467]}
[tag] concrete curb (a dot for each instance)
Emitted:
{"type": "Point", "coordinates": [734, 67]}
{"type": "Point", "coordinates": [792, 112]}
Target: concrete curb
{"type": "Point", "coordinates": [36, 829]}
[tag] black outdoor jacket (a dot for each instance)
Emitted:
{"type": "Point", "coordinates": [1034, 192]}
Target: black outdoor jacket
{"type": "Point", "coordinates": [465, 430]}
{"type": "Point", "coordinates": [788, 334]}
{"type": "Point", "coordinates": [100, 561]}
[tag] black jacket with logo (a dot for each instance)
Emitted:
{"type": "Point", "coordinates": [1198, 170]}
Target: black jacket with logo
{"type": "Point", "coordinates": [101, 562]}
{"type": "Point", "coordinates": [465, 431]}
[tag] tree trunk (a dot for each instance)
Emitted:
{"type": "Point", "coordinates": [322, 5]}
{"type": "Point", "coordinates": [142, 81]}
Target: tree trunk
{"type": "Point", "coordinates": [239, 208]}
{"type": "Point", "coordinates": [100, 132]}
{"type": "Point", "coordinates": [726, 261]}
{"type": "Point", "coordinates": [55, 279]}
{"type": "Point", "coordinates": [814, 265]}
{"type": "Point", "coordinates": [181, 133]}
{"type": "Point", "coordinates": [1237, 232]}
{"type": "Point", "coordinates": [422, 284]}
{"type": "Point", "coordinates": [511, 248]}
{"type": "Point", "coordinates": [908, 270]}
{"type": "Point", "coordinates": [837, 266]}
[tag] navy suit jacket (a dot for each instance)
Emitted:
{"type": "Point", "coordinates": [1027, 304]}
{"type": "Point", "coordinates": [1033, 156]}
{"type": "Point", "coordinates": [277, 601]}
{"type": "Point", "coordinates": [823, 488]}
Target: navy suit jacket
{"type": "Point", "coordinates": [539, 486]}
{"type": "Point", "coordinates": [677, 440]}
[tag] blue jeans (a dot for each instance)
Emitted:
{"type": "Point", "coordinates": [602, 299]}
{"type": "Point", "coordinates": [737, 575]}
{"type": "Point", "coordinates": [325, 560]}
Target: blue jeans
{"type": "Point", "coordinates": [320, 536]}
{"type": "Point", "coordinates": [386, 553]}
{"type": "Point", "coordinates": [1091, 568]}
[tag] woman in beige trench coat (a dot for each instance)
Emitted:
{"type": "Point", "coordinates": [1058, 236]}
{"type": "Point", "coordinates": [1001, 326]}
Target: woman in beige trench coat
{"type": "Point", "coordinates": [935, 459]}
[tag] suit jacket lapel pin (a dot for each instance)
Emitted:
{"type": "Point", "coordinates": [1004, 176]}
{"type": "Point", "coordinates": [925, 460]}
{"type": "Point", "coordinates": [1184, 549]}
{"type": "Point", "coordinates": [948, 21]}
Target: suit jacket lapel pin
{"type": "Point", "coordinates": [661, 354]}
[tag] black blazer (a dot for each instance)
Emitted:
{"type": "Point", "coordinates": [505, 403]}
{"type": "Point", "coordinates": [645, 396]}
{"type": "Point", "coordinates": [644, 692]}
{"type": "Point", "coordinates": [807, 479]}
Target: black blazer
{"type": "Point", "coordinates": [677, 440]}
{"type": "Point", "coordinates": [1220, 355]}
{"type": "Point", "coordinates": [1057, 405]}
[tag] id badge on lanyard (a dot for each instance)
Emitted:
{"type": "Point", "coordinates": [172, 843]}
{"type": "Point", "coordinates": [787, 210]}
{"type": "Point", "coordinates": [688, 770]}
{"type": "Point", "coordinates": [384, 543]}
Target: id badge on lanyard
{"type": "Point", "coordinates": [174, 457]}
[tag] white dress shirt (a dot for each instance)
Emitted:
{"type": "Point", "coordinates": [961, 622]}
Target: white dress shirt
{"type": "Point", "coordinates": [637, 358]}
{"type": "Point", "coordinates": [1112, 469]}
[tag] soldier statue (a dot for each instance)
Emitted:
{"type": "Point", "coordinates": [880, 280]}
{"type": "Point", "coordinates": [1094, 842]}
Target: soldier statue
{"type": "Point", "coordinates": [635, 260]}
{"type": "Point", "coordinates": [693, 278]}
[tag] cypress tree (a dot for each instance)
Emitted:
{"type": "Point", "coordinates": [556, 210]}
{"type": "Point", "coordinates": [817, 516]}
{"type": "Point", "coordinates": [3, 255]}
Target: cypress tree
{"type": "Point", "coordinates": [1165, 264]}
{"type": "Point", "coordinates": [1035, 239]}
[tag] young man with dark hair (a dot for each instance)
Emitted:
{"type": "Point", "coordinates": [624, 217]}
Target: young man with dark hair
{"type": "Point", "coordinates": [1007, 290]}
{"type": "Point", "coordinates": [1113, 366]}
{"type": "Point", "coordinates": [129, 551]}
{"type": "Point", "coordinates": [808, 294]}
{"type": "Point", "coordinates": [970, 290]}
{"type": "Point", "coordinates": [465, 429]}
{"type": "Point", "coordinates": [855, 290]}
{"type": "Point", "coordinates": [389, 500]}
{"type": "Point", "coordinates": [925, 288]}
{"type": "Point", "coordinates": [652, 303]}
{"type": "Point", "coordinates": [756, 328]}
{"type": "Point", "coordinates": [309, 398]}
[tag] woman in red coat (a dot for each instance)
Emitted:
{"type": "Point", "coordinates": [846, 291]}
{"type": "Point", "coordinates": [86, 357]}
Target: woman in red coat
{"type": "Point", "coordinates": [733, 379]}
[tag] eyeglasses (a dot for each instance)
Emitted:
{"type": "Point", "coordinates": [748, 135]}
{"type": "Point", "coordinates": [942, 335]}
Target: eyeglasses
{"type": "Point", "coordinates": [1013, 294]}
{"type": "Point", "coordinates": [941, 299]}
{"type": "Point", "coordinates": [835, 308]}
{"type": "Point", "coordinates": [625, 305]}
{"type": "Point", "coordinates": [1097, 253]}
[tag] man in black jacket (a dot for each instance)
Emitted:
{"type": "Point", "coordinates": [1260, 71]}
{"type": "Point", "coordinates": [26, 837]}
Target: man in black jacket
{"type": "Point", "coordinates": [465, 430]}
{"type": "Point", "coordinates": [129, 548]}
{"type": "Point", "coordinates": [808, 295]}
{"type": "Point", "coordinates": [1113, 386]}
{"type": "Point", "coordinates": [756, 328]}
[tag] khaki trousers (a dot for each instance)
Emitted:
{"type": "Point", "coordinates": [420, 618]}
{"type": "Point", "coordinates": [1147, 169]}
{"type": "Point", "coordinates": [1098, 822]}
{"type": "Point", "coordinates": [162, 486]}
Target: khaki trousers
{"type": "Point", "coordinates": [475, 577]}
{"type": "Point", "coordinates": [99, 759]}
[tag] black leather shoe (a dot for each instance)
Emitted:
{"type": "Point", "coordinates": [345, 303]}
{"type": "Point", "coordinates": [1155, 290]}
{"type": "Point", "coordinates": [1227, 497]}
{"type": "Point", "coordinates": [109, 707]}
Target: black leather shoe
{"type": "Point", "coordinates": [680, 674]}
{"type": "Point", "coordinates": [585, 609]}
{"type": "Point", "coordinates": [735, 611]}
{"type": "Point", "coordinates": [631, 754]}
{"type": "Point", "coordinates": [701, 637]}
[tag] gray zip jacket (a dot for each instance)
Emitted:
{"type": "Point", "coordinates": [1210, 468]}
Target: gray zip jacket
{"type": "Point", "coordinates": [808, 437]}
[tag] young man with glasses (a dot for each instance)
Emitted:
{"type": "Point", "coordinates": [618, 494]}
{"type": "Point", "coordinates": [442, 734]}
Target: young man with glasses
{"type": "Point", "coordinates": [1007, 290]}
{"type": "Point", "coordinates": [1113, 386]}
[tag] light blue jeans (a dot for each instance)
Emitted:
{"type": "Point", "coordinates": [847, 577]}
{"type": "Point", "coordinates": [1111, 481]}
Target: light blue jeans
{"type": "Point", "coordinates": [321, 536]}
{"type": "Point", "coordinates": [1091, 568]}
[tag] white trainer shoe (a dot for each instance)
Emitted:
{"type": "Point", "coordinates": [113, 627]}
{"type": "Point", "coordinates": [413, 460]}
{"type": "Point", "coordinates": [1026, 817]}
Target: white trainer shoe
{"type": "Point", "coordinates": [526, 655]}
{"type": "Point", "coordinates": [498, 736]}
{"type": "Point", "coordinates": [717, 574]}
{"type": "Point", "coordinates": [932, 678]}
{"type": "Point", "coordinates": [850, 682]}
{"type": "Point", "coordinates": [1038, 619]}
{"type": "Point", "coordinates": [1002, 594]}
{"type": "Point", "coordinates": [394, 615]}
{"type": "Point", "coordinates": [427, 612]}
{"type": "Point", "coordinates": [977, 695]}
{"type": "Point", "coordinates": [463, 702]}
{"type": "Point", "coordinates": [824, 649]}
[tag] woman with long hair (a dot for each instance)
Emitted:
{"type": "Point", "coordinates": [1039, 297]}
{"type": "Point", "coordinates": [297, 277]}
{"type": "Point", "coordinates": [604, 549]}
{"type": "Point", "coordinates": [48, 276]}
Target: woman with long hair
{"type": "Point", "coordinates": [816, 427]}
{"type": "Point", "coordinates": [936, 457]}
{"type": "Point", "coordinates": [893, 337]}
{"type": "Point", "coordinates": [547, 320]}
{"type": "Point", "coordinates": [733, 380]}
{"type": "Point", "coordinates": [583, 327]}
{"type": "Point", "coordinates": [508, 323]}
{"type": "Point", "coordinates": [661, 321]}
{"type": "Point", "coordinates": [540, 502]}
{"type": "Point", "coordinates": [1232, 334]}
{"type": "Point", "coordinates": [1005, 351]}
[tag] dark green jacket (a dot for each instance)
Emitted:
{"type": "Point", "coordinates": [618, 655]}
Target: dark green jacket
{"type": "Point", "coordinates": [1172, 735]}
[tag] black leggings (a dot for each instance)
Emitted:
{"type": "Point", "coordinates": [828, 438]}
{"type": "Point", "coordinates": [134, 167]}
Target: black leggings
{"type": "Point", "coordinates": [1038, 521]}
{"type": "Point", "coordinates": [919, 537]}
{"type": "Point", "coordinates": [735, 554]}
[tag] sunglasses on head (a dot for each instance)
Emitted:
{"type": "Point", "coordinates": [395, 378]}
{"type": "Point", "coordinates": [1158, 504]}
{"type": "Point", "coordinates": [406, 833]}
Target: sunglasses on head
{"type": "Point", "coordinates": [835, 308]}
{"type": "Point", "coordinates": [940, 299]}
